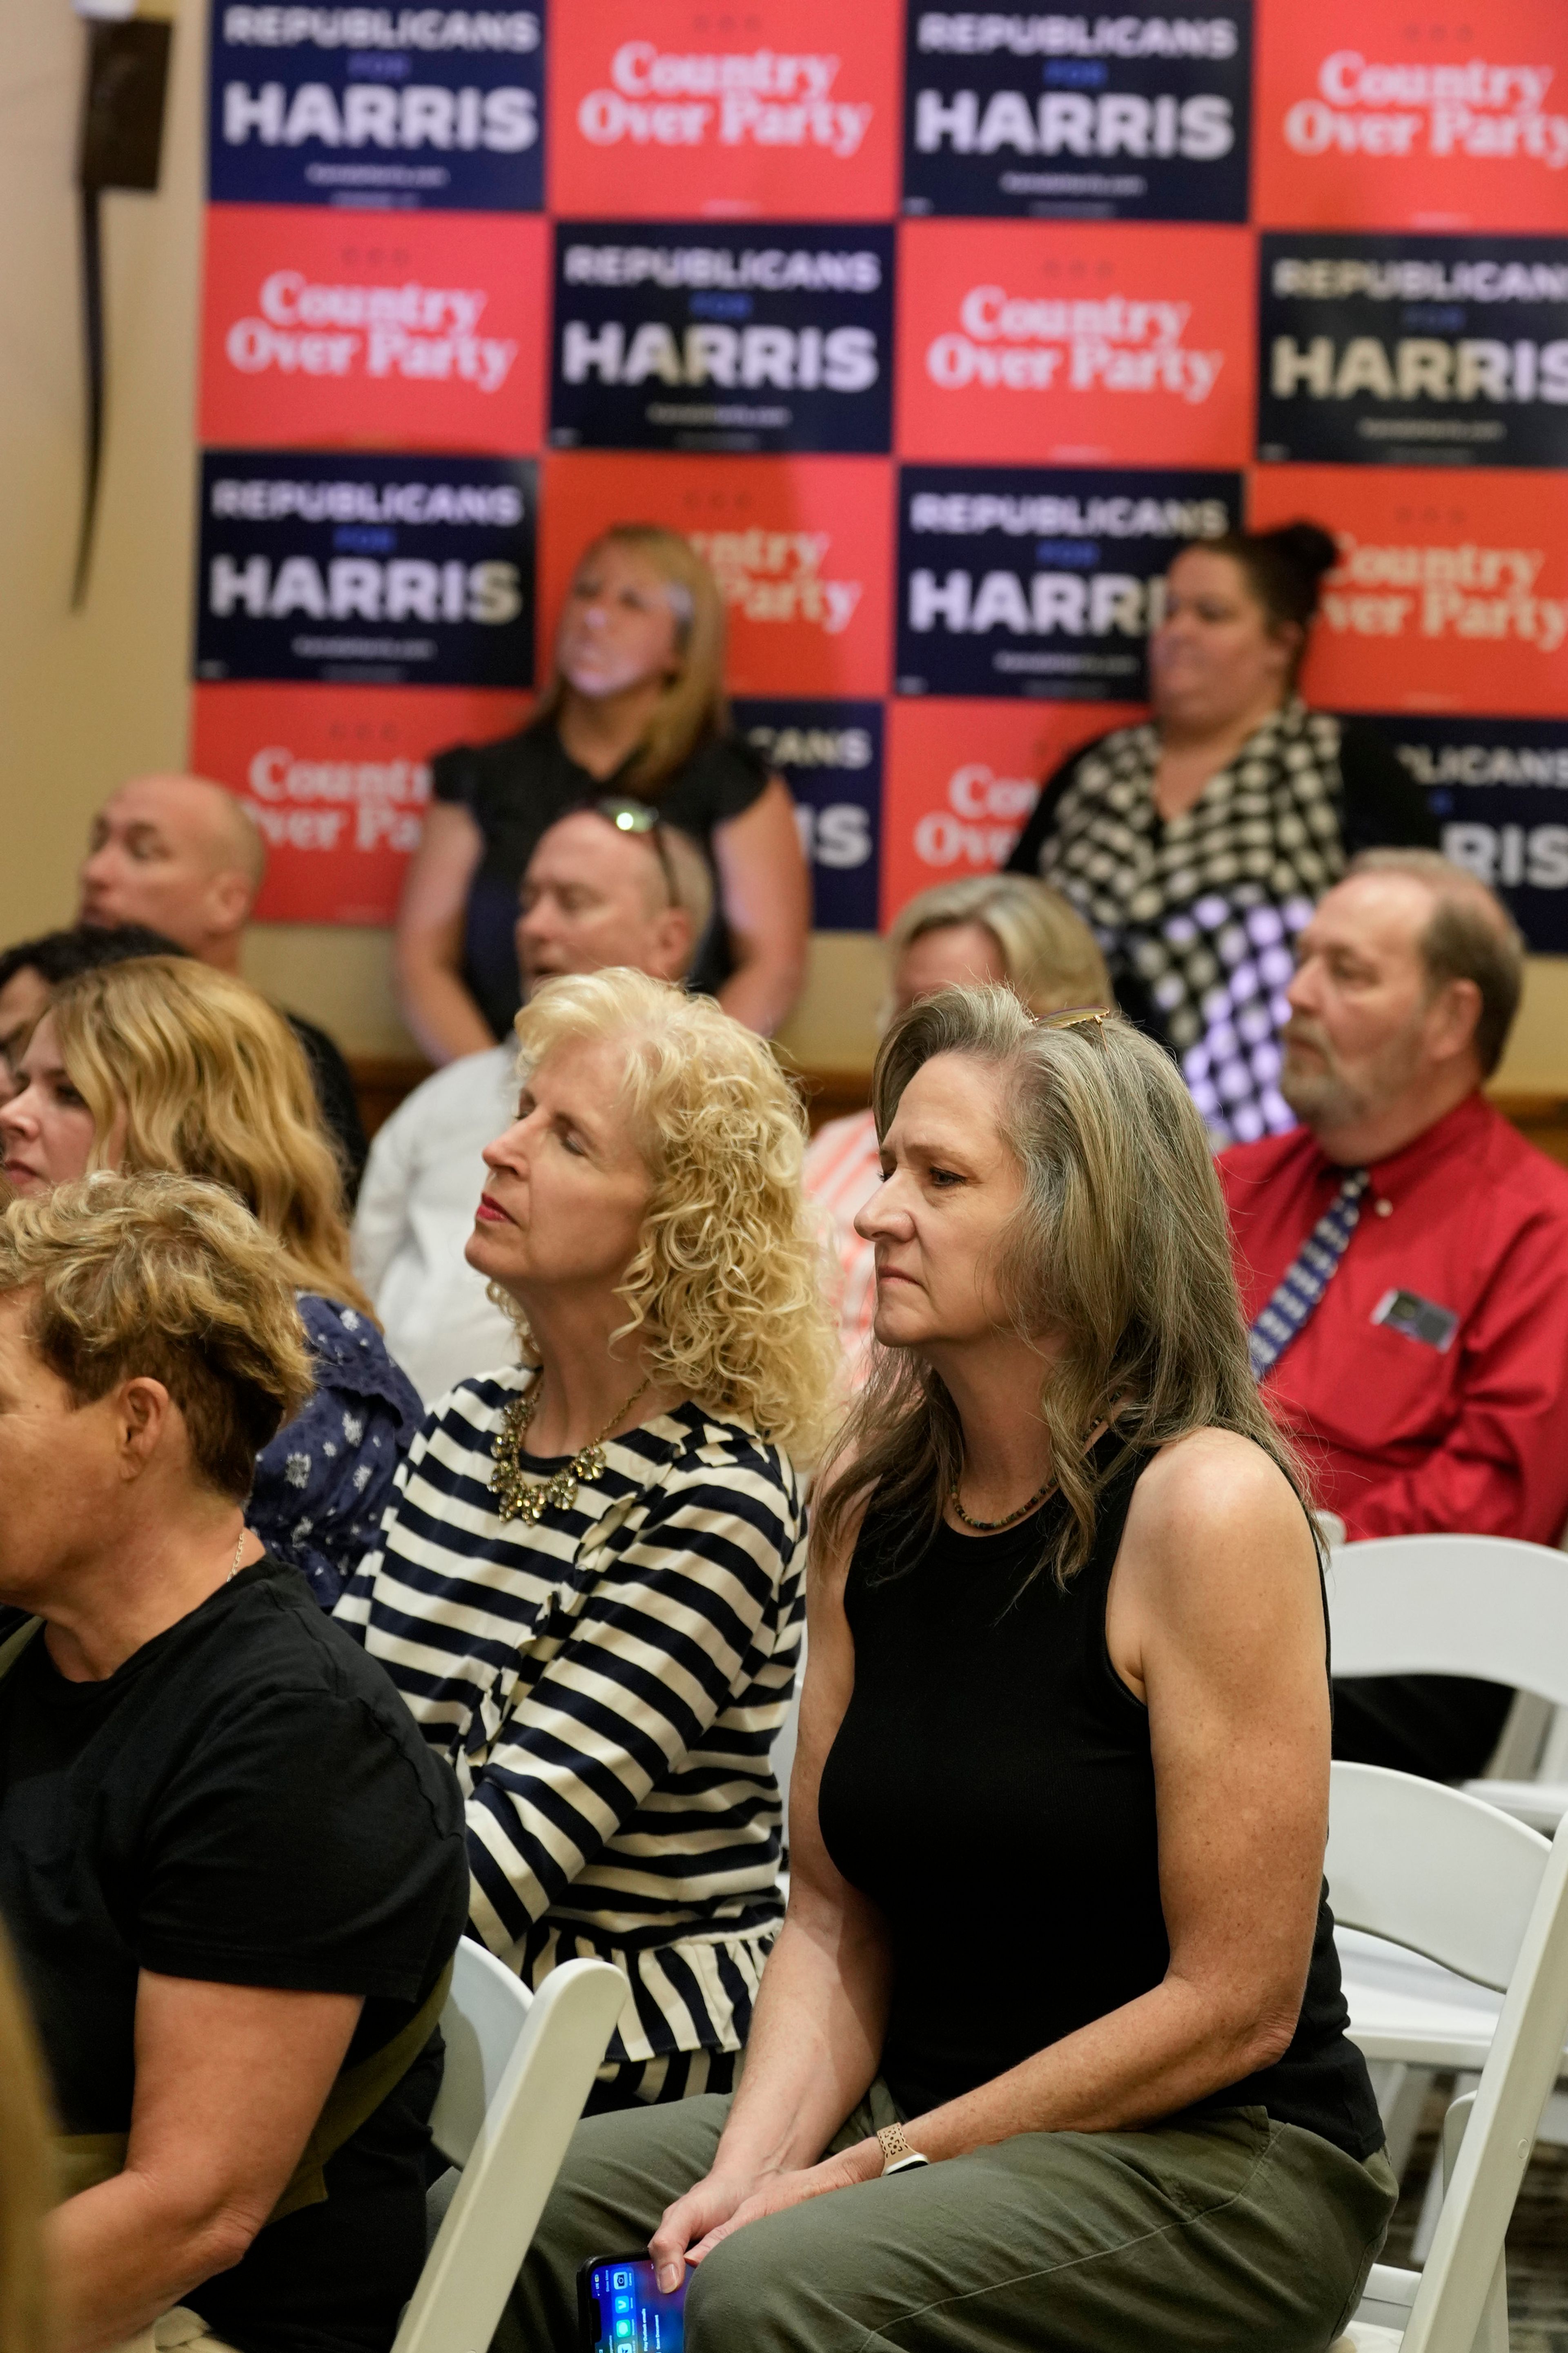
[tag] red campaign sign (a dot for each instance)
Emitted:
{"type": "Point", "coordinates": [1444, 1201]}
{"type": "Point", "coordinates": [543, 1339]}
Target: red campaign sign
{"type": "Point", "coordinates": [333, 330]}
{"type": "Point", "coordinates": [661, 110]}
{"type": "Point", "coordinates": [1054, 344]}
{"type": "Point", "coordinates": [962, 779]}
{"type": "Point", "coordinates": [338, 778]}
{"type": "Point", "coordinates": [1373, 114]}
{"type": "Point", "coordinates": [802, 548]}
{"type": "Point", "coordinates": [1451, 591]}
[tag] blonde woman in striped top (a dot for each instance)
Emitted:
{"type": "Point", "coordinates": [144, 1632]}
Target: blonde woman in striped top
{"type": "Point", "coordinates": [589, 1584]}
{"type": "Point", "coordinates": [1004, 927]}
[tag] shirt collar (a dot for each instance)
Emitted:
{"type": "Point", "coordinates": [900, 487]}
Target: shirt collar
{"type": "Point", "coordinates": [1453, 1132]}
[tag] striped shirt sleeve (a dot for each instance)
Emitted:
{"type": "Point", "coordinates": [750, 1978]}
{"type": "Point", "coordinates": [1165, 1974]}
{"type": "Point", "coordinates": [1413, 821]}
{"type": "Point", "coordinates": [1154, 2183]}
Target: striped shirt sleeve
{"type": "Point", "coordinates": [638, 1679]}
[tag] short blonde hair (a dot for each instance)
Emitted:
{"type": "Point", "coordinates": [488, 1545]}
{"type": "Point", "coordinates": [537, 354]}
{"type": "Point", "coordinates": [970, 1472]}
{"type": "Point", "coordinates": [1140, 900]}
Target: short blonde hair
{"type": "Point", "coordinates": [212, 1082]}
{"type": "Point", "coordinates": [725, 1290]}
{"type": "Point", "coordinates": [173, 1278]}
{"type": "Point", "coordinates": [693, 705]}
{"type": "Point", "coordinates": [1050, 955]}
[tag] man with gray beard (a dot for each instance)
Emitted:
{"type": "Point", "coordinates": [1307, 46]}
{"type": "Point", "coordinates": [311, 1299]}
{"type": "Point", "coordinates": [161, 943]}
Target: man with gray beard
{"type": "Point", "coordinates": [1403, 1258]}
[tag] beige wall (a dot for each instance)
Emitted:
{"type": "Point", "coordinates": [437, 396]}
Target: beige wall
{"type": "Point", "coordinates": [87, 699]}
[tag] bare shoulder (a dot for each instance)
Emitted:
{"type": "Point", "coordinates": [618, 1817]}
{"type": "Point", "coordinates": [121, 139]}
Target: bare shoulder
{"type": "Point", "coordinates": [1214, 1502]}
{"type": "Point", "coordinates": [1215, 1470]}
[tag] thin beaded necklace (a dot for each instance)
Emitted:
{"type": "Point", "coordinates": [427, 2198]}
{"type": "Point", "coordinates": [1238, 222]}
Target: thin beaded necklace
{"type": "Point", "coordinates": [990, 1527]}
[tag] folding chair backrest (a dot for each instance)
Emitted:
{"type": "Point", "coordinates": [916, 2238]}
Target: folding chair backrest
{"type": "Point", "coordinates": [486, 2012]}
{"type": "Point", "coordinates": [513, 2156]}
{"type": "Point", "coordinates": [1452, 1606]}
{"type": "Point", "coordinates": [1435, 1870]}
{"type": "Point", "coordinates": [1425, 1866]}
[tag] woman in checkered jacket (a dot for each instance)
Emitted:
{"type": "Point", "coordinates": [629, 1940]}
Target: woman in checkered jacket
{"type": "Point", "coordinates": [1198, 842]}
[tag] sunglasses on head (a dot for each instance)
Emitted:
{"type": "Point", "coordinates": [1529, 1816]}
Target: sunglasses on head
{"type": "Point", "coordinates": [1074, 1017]}
{"type": "Point", "coordinates": [628, 816]}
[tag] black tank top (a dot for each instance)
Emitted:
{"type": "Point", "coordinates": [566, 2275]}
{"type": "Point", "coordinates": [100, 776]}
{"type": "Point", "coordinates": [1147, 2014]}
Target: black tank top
{"type": "Point", "coordinates": [992, 1789]}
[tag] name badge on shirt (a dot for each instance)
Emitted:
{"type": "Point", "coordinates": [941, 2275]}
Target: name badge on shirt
{"type": "Point", "coordinates": [1417, 1318]}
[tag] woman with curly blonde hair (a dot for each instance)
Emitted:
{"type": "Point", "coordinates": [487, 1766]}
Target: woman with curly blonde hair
{"type": "Point", "coordinates": [589, 1589]}
{"type": "Point", "coordinates": [162, 1063]}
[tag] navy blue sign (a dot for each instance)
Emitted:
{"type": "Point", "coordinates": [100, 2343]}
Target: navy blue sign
{"type": "Point", "coordinates": [1414, 351]}
{"type": "Point", "coordinates": [1498, 787]}
{"type": "Point", "coordinates": [1014, 580]}
{"type": "Point", "coordinates": [1140, 114]}
{"type": "Point", "coordinates": [830, 756]}
{"type": "Point", "coordinates": [374, 571]}
{"type": "Point", "coordinates": [697, 338]}
{"type": "Point", "coordinates": [378, 106]}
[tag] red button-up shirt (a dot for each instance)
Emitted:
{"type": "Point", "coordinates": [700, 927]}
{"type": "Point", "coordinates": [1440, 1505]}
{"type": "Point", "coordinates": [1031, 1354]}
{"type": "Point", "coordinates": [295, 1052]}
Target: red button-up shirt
{"type": "Point", "coordinates": [1400, 1436]}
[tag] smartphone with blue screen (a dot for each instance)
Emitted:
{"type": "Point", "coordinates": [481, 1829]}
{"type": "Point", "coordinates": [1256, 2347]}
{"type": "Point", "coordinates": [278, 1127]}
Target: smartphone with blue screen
{"type": "Point", "coordinates": [621, 2308]}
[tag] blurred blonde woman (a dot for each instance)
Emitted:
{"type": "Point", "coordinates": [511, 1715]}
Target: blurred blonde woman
{"type": "Point", "coordinates": [164, 1063]}
{"type": "Point", "coordinates": [636, 706]}
{"type": "Point", "coordinates": [589, 1590]}
{"type": "Point", "coordinates": [26, 2166]}
{"type": "Point", "coordinates": [982, 927]}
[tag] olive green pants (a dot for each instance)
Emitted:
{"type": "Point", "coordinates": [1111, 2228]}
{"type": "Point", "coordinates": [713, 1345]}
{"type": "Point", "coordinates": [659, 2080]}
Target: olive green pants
{"type": "Point", "coordinates": [1231, 2232]}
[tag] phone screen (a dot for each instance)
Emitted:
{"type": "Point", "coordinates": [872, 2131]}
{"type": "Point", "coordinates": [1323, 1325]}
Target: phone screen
{"type": "Point", "coordinates": [627, 2312]}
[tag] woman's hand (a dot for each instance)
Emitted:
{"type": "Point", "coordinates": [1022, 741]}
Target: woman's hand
{"type": "Point", "coordinates": [696, 2223]}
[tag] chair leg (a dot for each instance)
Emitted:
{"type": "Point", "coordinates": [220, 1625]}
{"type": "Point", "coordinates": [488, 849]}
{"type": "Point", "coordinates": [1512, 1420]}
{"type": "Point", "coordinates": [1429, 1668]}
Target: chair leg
{"type": "Point", "coordinates": [1400, 2092]}
{"type": "Point", "coordinates": [1491, 2336]}
{"type": "Point", "coordinates": [1454, 2125]}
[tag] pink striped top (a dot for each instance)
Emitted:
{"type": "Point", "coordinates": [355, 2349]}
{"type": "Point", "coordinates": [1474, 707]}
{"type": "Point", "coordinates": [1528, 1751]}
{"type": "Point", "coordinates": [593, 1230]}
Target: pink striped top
{"type": "Point", "coordinates": [842, 1172]}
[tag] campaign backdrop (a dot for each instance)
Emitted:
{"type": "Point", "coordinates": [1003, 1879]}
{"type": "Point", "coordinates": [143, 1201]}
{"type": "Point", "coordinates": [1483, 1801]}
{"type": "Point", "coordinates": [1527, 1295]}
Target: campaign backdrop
{"type": "Point", "coordinates": [939, 332]}
{"type": "Point", "coordinates": [366, 570]}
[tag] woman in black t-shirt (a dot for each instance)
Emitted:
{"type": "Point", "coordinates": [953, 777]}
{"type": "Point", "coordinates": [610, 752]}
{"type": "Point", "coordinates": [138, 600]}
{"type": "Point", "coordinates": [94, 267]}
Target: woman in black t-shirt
{"type": "Point", "coordinates": [231, 1871]}
{"type": "Point", "coordinates": [637, 703]}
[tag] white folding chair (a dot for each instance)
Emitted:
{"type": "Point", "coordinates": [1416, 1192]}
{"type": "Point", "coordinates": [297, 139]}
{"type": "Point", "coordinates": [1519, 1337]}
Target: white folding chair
{"type": "Point", "coordinates": [1441, 1605]}
{"type": "Point", "coordinates": [518, 2068]}
{"type": "Point", "coordinates": [1461, 1606]}
{"type": "Point", "coordinates": [1486, 1898]}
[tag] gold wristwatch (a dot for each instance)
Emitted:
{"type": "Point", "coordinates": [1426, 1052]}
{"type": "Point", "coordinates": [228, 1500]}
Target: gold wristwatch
{"type": "Point", "coordinates": [898, 2157]}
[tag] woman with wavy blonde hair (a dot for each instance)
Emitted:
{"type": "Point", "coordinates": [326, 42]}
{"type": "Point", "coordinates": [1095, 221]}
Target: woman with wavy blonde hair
{"type": "Point", "coordinates": [162, 1063]}
{"type": "Point", "coordinates": [589, 1590]}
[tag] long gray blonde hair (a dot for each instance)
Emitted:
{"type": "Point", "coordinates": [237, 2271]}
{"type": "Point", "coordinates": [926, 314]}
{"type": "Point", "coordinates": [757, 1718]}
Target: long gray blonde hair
{"type": "Point", "coordinates": [1118, 1251]}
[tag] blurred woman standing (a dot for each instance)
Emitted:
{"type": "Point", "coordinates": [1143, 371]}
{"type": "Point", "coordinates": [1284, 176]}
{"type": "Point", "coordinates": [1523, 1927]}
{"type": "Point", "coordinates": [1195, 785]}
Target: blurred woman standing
{"type": "Point", "coordinates": [1198, 842]}
{"type": "Point", "coordinates": [636, 706]}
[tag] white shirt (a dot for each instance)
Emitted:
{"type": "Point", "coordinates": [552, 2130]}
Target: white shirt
{"type": "Point", "coordinates": [415, 1211]}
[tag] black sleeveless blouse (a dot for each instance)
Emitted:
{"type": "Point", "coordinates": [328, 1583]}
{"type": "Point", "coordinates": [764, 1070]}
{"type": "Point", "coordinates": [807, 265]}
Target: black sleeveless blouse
{"type": "Point", "coordinates": [992, 1789]}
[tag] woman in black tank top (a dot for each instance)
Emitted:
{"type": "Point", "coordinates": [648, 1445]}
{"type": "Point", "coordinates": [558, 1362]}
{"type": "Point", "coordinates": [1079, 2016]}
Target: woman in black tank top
{"type": "Point", "coordinates": [1051, 2049]}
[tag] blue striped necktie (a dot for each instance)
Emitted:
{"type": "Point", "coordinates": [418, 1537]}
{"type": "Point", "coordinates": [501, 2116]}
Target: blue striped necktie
{"type": "Point", "coordinates": [1307, 1277]}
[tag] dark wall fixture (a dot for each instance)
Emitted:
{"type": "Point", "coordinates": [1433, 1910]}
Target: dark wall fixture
{"type": "Point", "coordinates": [121, 140]}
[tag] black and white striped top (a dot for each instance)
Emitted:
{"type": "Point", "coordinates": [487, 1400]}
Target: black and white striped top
{"type": "Point", "coordinates": [608, 1686]}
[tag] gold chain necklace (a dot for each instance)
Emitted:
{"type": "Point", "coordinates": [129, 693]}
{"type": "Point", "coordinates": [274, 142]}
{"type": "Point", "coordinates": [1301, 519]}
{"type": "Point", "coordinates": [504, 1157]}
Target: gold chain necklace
{"type": "Point", "coordinates": [990, 1527]}
{"type": "Point", "coordinates": [521, 1497]}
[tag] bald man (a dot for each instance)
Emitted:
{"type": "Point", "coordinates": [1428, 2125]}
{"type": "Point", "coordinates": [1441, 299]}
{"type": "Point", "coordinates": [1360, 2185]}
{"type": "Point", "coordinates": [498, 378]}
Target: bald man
{"type": "Point", "coordinates": [1403, 1256]}
{"type": "Point", "coordinates": [185, 857]}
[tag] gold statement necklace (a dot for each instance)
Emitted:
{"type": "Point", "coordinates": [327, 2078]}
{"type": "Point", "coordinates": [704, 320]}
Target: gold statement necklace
{"type": "Point", "coordinates": [521, 1497]}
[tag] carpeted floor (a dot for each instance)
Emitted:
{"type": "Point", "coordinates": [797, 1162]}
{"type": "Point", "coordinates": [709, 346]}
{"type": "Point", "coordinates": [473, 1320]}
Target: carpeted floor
{"type": "Point", "coordinates": [1537, 2240]}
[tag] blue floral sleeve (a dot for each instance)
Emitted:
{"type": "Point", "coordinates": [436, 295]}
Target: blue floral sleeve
{"type": "Point", "coordinates": [323, 1483]}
